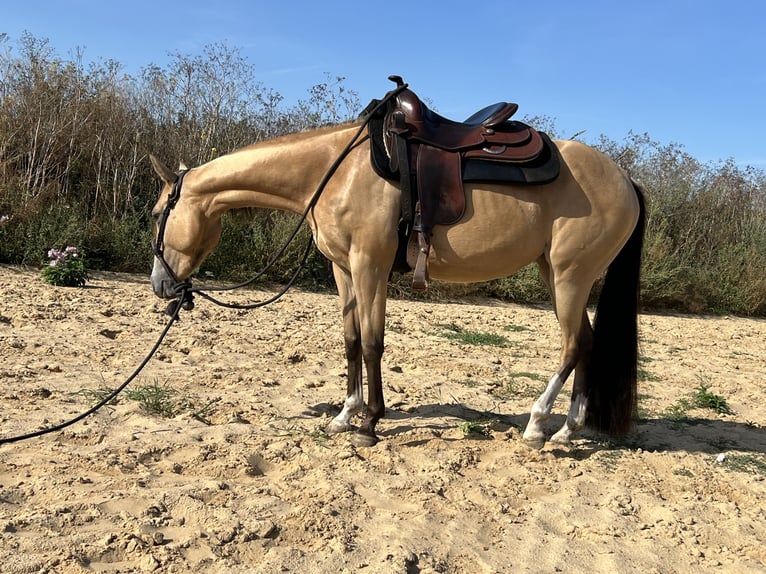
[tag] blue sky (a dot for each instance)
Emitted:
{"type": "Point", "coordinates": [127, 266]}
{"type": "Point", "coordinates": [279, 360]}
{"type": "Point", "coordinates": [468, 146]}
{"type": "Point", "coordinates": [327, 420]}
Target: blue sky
{"type": "Point", "coordinates": [690, 72]}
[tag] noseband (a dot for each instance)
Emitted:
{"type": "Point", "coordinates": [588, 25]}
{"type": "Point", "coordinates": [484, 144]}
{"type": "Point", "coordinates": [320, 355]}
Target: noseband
{"type": "Point", "coordinates": [180, 288]}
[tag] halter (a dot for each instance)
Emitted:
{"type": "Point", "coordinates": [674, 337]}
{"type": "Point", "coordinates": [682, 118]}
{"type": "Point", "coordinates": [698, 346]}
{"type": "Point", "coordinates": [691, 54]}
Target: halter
{"type": "Point", "coordinates": [181, 288]}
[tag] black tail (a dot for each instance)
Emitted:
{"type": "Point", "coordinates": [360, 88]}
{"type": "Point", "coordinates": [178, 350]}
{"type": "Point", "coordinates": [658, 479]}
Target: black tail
{"type": "Point", "coordinates": [613, 366]}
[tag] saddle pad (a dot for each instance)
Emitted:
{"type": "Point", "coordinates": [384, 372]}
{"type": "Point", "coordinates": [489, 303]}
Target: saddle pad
{"type": "Point", "coordinates": [537, 171]}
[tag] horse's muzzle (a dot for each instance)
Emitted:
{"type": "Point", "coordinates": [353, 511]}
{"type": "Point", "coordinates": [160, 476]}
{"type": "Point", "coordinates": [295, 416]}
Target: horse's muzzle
{"type": "Point", "coordinates": [163, 284]}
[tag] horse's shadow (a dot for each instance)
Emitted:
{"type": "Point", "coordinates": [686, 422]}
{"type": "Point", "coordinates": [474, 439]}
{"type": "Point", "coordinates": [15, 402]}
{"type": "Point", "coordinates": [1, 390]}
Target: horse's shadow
{"type": "Point", "coordinates": [661, 434]}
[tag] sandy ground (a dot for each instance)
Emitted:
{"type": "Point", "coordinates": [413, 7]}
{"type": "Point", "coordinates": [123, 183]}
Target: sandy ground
{"type": "Point", "coordinates": [241, 477]}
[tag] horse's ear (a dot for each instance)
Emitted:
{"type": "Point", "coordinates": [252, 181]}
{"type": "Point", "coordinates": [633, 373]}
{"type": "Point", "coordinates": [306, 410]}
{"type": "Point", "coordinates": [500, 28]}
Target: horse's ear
{"type": "Point", "coordinates": [163, 171]}
{"type": "Point", "coordinates": [182, 167]}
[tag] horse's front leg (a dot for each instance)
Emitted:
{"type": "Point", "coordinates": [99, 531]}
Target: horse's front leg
{"type": "Point", "coordinates": [353, 345]}
{"type": "Point", "coordinates": [363, 298]}
{"type": "Point", "coordinates": [370, 280]}
{"type": "Point", "coordinates": [372, 352]}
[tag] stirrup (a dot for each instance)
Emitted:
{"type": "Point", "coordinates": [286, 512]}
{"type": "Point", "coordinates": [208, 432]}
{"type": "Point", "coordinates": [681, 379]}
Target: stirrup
{"type": "Point", "coordinates": [420, 273]}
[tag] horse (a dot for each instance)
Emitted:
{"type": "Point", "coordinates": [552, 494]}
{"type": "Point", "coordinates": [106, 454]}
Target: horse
{"type": "Point", "coordinates": [586, 224]}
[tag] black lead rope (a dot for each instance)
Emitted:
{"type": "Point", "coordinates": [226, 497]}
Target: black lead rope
{"type": "Point", "coordinates": [259, 304]}
{"type": "Point", "coordinates": [184, 289]}
{"type": "Point", "coordinates": [112, 395]}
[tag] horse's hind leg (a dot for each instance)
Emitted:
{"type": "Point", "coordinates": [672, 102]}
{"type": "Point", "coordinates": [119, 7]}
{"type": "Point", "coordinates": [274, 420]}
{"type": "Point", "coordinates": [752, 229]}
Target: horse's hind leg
{"type": "Point", "coordinates": [354, 402]}
{"type": "Point", "coordinates": [577, 406]}
{"type": "Point", "coordinates": [569, 297]}
{"type": "Point", "coordinates": [534, 434]}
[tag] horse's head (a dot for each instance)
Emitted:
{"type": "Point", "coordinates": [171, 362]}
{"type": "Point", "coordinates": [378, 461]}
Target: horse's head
{"type": "Point", "coordinates": [185, 230]}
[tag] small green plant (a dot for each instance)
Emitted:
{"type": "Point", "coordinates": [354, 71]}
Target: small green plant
{"type": "Point", "coordinates": [678, 412]}
{"type": "Point", "coordinates": [472, 427]}
{"type": "Point", "coordinates": [65, 268]}
{"type": "Point", "coordinates": [320, 437]}
{"type": "Point", "coordinates": [704, 399]}
{"type": "Point", "coordinates": [457, 333]}
{"type": "Point", "coordinates": [158, 399]}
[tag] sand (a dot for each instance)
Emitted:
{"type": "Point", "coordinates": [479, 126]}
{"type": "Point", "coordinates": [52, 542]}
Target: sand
{"type": "Point", "coordinates": [240, 476]}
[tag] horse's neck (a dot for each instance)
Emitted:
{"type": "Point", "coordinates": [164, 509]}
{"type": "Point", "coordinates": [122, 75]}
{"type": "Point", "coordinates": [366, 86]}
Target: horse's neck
{"type": "Point", "coordinates": [279, 174]}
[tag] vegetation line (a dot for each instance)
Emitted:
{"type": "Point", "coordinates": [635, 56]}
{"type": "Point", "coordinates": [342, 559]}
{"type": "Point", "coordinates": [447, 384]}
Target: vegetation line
{"type": "Point", "coordinates": [74, 141]}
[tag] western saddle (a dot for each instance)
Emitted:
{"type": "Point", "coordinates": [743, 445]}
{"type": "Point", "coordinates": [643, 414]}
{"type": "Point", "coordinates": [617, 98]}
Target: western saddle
{"type": "Point", "coordinates": [432, 156]}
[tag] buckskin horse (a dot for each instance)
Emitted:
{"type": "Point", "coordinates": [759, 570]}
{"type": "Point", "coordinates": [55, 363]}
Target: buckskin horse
{"type": "Point", "coordinates": [585, 223]}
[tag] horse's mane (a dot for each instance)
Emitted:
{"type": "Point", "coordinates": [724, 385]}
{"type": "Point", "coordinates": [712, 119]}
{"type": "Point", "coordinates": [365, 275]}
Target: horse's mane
{"type": "Point", "coordinates": [302, 134]}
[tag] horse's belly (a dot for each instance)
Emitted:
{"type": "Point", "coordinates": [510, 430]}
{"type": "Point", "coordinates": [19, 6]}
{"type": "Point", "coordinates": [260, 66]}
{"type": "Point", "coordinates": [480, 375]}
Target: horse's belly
{"type": "Point", "coordinates": [479, 266]}
{"type": "Point", "coordinates": [498, 235]}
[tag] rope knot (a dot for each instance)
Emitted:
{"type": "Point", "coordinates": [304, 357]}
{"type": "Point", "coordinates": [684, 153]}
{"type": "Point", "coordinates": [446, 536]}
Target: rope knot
{"type": "Point", "coordinates": [184, 299]}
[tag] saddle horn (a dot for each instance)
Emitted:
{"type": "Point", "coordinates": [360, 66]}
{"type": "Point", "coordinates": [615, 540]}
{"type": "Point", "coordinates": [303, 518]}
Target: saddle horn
{"type": "Point", "coordinates": [398, 80]}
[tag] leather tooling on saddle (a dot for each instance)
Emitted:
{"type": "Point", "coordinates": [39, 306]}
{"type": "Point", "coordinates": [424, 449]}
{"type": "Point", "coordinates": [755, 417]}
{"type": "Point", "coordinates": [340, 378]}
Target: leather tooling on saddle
{"type": "Point", "coordinates": [432, 157]}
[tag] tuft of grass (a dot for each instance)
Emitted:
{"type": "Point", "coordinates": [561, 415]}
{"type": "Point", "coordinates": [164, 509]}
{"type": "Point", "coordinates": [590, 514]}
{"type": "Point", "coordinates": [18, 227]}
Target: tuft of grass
{"type": "Point", "coordinates": [157, 399]}
{"type": "Point", "coordinates": [472, 427]}
{"type": "Point", "coordinates": [678, 414]}
{"type": "Point", "coordinates": [528, 375]}
{"type": "Point", "coordinates": [747, 463]}
{"type": "Point", "coordinates": [647, 377]}
{"type": "Point", "coordinates": [704, 399]}
{"type": "Point", "coordinates": [455, 332]}
{"type": "Point", "coordinates": [609, 458]}
{"type": "Point", "coordinates": [679, 411]}
{"type": "Point", "coordinates": [516, 386]}
{"type": "Point", "coordinates": [470, 383]}
{"type": "Point", "coordinates": [94, 396]}
{"type": "Point", "coordinates": [320, 437]}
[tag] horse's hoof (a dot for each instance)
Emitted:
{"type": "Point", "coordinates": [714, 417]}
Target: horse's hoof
{"type": "Point", "coordinates": [561, 439]}
{"type": "Point", "coordinates": [360, 439]}
{"type": "Point", "coordinates": [335, 427]}
{"type": "Point", "coordinates": [535, 443]}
